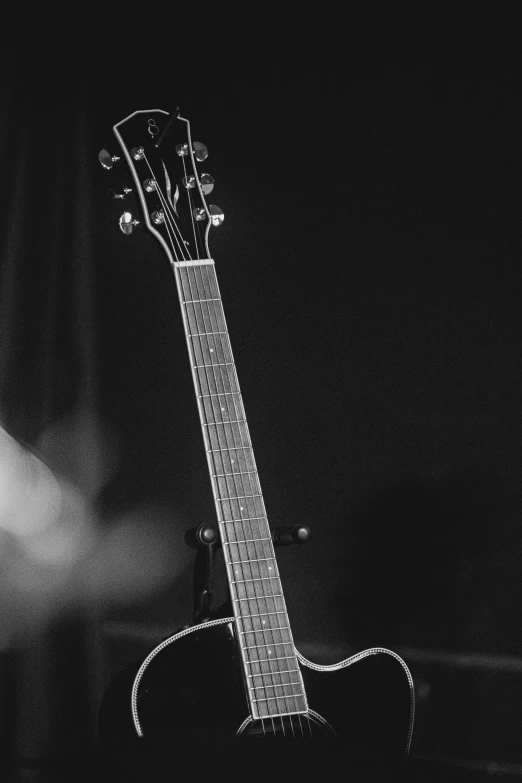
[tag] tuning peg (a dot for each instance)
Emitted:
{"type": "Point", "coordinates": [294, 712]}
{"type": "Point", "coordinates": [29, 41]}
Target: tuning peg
{"type": "Point", "coordinates": [126, 192]}
{"type": "Point", "coordinates": [207, 183]}
{"type": "Point", "coordinates": [200, 151]}
{"type": "Point", "coordinates": [127, 223]}
{"type": "Point", "coordinates": [106, 159]}
{"type": "Point", "coordinates": [217, 215]}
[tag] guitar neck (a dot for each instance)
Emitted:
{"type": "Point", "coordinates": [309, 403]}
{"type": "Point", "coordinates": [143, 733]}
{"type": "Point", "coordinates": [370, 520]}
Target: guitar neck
{"type": "Point", "coordinates": [274, 684]}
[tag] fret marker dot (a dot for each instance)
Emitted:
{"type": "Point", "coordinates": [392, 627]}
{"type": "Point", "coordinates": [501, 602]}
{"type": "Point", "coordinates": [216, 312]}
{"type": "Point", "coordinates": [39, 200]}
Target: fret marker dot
{"type": "Point", "coordinates": [269, 568]}
{"type": "Point", "coordinates": [270, 652]}
{"type": "Point", "coordinates": [223, 410]}
{"type": "Point", "coordinates": [211, 350]}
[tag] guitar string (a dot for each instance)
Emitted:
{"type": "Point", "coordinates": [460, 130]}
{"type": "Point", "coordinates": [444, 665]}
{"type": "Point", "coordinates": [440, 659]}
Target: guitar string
{"type": "Point", "coordinates": [188, 277]}
{"type": "Point", "coordinates": [246, 489]}
{"type": "Point", "coordinates": [275, 643]}
{"type": "Point", "coordinates": [227, 434]}
{"type": "Point", "coordinates": [171, 225]}
{"type": "Point", "coordinates": [236, 416]}
{"type": "Point", "coordinates": [191, 210]}
{"type": "Point", "coordinates": [202, 295]}
{"type": "Point", "coordinates": [205, 292]}
{"type": "Point", "coordinates": [169, 219]}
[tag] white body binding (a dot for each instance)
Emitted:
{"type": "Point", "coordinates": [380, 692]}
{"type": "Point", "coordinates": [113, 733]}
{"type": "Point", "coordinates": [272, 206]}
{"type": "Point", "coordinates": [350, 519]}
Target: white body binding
{"type": "Point", "coordinates": [304, 662]}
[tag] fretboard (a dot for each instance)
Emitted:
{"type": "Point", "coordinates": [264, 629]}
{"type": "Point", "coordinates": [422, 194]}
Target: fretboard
{"type": "Point", "coordinates": [272, 675]}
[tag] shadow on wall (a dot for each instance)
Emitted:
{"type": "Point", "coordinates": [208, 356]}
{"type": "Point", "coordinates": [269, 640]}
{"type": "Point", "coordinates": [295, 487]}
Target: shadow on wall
{"type": "Point", "coordinates": [433, 564]}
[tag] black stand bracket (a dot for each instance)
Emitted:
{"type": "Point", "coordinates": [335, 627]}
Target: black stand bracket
{"type": "Point", "coordinates": [205, 539]}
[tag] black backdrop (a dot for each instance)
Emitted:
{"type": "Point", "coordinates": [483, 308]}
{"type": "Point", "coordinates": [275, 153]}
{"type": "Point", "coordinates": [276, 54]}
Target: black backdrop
{"type": "Point", "coordinates": [370, 270]}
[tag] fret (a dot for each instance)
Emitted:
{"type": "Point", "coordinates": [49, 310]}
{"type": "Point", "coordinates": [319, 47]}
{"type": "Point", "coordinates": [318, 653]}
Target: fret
{"type": "Point", "coordinates": [254, 644]}
{"type": "Point", "coordinates": [273, 685]}
{"type": "Point", "coordinates": [199, 366]}
{"type": "Point", "coordinates": [234, 448]}
{"type": "Point", "coordinates": [265, 681]}
{"type": "Point", "coordinates": [246, 541]}
{"type": "Point", "coordinates": [257, 579]}
{"type": "Point", "coordinates": [275, 595]}
{"type": "Point", "coordinates": [262, 630]}
{"type": "Point", "coordinates": [219, 394]}
{"type": "Point", "coordinates": [239, 497]}
{"type": "Point", "coordinates": [264, 614]}
{"type": "Point", "coordinates": [235, 521]}
{"type": "Point", "coordinates": [269, 645]}
{"type": "Point", "coordinates": [206, 334]}
{"type": "Point", "coordinates": [241, 473]}
{"type": "Point", "coordinates": [251, 591]}
{"type": "Point", "coordinates": [269, 660]}
{"type": "Point", "coordinates": [193, 301]}
{"type": "Point", "coordinates": [216, 423]}
{"type": "Point", "coordinates": [280, 697]}
{"type": "Point", "coordinates": [279, 673]}
{"type": "Point", "coordinates": [250, 560]}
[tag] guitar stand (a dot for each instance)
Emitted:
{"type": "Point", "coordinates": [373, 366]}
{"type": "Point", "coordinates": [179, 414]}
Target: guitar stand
{"type": "Point", "coordinates": [205, 539]}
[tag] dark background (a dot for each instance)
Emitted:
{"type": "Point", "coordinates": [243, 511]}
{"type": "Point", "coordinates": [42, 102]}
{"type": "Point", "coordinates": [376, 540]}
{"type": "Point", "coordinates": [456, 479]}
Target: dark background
{"type": "Point", "coordinates": [370, 266]}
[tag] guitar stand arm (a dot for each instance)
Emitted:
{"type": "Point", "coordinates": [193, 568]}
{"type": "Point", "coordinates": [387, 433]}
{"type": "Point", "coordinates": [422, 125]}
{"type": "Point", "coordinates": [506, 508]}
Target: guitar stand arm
{"type": "Point", "coordinates": [205, 539]}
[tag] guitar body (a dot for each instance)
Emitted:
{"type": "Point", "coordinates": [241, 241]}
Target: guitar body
{"type": "Point", "coordinates": [185, 705]}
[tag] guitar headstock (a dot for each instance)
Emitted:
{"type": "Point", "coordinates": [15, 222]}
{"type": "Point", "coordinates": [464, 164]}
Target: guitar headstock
{"type": "Point", "coordinates": [165, 165]}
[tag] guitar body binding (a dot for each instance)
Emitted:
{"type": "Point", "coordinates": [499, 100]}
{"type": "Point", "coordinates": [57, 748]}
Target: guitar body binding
{"type": "Point", "coordinates": [190, 688]}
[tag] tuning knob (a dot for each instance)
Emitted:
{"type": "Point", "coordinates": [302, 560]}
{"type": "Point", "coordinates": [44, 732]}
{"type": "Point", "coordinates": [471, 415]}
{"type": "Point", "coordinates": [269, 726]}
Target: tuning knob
{"type": "Point", "coordinates": [127, 223]}
{"type": "Point", "coordinates": [217, 215]}
{"type": "Point", "coordinates": [207, 183]}
{"type": "Point", "coordinates": [106, 159]}
{"type": "Point", "coordinates": [200, 151]}
{"type": "Point", "coordinates": [198, 148]}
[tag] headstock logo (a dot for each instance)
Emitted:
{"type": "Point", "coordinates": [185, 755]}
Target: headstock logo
{"type": "Point", "coordinates": [153, 128]}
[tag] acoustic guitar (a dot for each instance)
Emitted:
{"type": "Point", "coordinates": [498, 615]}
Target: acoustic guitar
{"type": "Point", "coordinates": [235, 687]}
